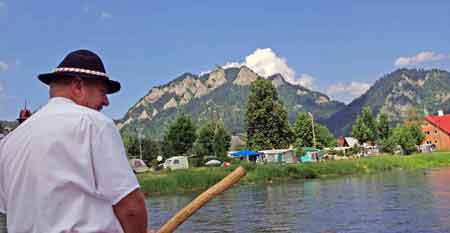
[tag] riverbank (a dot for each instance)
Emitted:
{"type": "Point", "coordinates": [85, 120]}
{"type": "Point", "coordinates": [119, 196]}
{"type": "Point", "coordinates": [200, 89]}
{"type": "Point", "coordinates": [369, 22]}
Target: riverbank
{"type": "Point", "coordinates": [181, 181]}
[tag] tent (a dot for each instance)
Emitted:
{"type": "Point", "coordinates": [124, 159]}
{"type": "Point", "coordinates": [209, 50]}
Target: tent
{"type": "Point", "coordinates": [246, 155]}
{"type": "Point", "coordinates": [310, 154]}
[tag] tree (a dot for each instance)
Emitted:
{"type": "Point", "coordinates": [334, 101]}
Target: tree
{"type": "Point", "coordinates": [412, 117]}
{"type": "Point", "coordinates": [417, 134]}
{"type": "Point", "coordinates": [383, 126]}
{"type": "Point", "coordinates": [179, 137]}
{"type": "Point", "coordinates": [2, 129]}
{"type": "Point", "coordinates": [222, 141]}
{"type": "Point", "coordinates": [388, 145]}
{"type": "Point", "coordinates": [324, 137]}
{"type": "Point", "coordinates": [413, 122]}
{"type": "Point", "coordinates": [133, 146]}
{"type": "Point", "coordinates": [365, 128]}
{"type": "Point", "coordinates": [266, 119]}
{"type": "Point", "coordinates": [212, 140]}
{"type": "Point", "coordinates": [403, 137]}
{"type": "Point", "coordinates": [204, 144]}
{"type": "Point", "coordinates": [303, 133]}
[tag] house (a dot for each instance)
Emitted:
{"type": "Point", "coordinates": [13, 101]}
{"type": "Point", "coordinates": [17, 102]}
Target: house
{"type": "Point", "coordinates": [347, 142]}
{"type": "Point", "coordinates": [436, 129]}
{"type": "Point", "coordinates": [279, 156]}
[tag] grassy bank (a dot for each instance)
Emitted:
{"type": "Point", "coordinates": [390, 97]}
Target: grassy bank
{"type": "Point", "coordinates": [201, 178]}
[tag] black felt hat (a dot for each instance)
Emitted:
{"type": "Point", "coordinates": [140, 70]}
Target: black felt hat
{"type": "Point", "coordinates": [84, 64]}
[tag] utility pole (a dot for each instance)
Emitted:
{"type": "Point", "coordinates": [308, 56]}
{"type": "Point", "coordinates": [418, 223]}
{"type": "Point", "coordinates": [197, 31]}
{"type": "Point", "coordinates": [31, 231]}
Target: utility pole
{"type": "Point", "coordinates": [140, 142]}
{"type": "Point", "coordinates": [314, 134]}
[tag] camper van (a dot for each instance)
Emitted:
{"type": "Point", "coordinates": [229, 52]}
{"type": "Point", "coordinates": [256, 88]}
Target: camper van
{"type": "Point", "coordinates": [176, 162]}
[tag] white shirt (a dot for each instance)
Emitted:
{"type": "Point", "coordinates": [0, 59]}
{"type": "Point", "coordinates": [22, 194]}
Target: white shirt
{"type": "Point", "coordinates": [62, 170]}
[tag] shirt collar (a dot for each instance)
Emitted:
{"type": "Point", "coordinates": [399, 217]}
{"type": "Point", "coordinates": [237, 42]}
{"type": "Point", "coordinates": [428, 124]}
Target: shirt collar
{"type": "Point", "coordinates": [61, 100]}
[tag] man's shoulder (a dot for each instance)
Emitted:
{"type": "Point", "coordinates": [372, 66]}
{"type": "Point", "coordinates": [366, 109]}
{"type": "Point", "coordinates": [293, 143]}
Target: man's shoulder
{"type": "Point", "coordinates": [95, 115]}
{"type": "Point", "coordinates": [74, 111]}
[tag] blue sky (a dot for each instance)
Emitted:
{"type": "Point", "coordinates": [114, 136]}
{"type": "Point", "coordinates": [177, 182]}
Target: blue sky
{"type": "Point", "coordinates": [336, 47]}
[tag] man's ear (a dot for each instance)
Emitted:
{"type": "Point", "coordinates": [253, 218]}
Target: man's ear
{"type": "Point", "coordinates": [76, 88]}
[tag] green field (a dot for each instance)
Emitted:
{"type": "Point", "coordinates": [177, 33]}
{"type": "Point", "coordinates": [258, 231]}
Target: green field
{"type": "Point", "coordinates": [197, 179]}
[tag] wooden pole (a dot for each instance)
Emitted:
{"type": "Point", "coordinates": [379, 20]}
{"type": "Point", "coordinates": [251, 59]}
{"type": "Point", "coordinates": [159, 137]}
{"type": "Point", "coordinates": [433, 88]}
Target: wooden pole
{"type": "Point", "coordinates": [202, 199]}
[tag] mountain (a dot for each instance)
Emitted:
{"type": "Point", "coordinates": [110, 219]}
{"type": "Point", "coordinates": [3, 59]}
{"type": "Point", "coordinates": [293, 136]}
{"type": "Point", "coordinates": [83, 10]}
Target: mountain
{"type": "Point", "coordinates": [7, 125]}
{"type": "Point", "coordinates": [222, 92]}
{"type": "Point", "coordinates": [426, 91]}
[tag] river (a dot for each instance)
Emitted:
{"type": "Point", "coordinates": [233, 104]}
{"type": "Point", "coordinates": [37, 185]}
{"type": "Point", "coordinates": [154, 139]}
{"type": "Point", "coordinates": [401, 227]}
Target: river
{"type": "Point", "coordinates": [399, 201]}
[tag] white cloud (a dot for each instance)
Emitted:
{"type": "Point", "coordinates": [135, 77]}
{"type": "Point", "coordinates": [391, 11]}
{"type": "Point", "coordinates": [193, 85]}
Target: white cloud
{"type": "Point", "coordinates": [354, 89]}
{"type": "Point", "coordinates": [266, 63]}
{"type": "Point", "coordinates": [306, 80]}
{"type": "Point", "coordinates": [105, 15]}
{"type": "Point", "coordinates": [422, 57]}
{"type": "Point", "coordinates": [231, 65]}
{"type": "Point", "coordinates": [3, 66]}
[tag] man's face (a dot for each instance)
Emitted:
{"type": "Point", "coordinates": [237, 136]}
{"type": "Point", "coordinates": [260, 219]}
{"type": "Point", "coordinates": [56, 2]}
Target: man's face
{"type": "Point", "coordinates": [93, 94]}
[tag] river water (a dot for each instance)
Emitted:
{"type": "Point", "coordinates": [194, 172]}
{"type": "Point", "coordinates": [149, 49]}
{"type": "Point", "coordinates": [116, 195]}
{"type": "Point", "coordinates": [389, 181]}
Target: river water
{"type": "Point", "coordinates": [400, 201]}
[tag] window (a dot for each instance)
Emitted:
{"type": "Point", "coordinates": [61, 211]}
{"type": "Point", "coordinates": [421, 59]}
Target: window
{"type": "Point", "coordinates": [435, 142]}
{"type": "Point", "coordinates": [435, 131]}
{"type": "Point", "coordinates": [176, 161]}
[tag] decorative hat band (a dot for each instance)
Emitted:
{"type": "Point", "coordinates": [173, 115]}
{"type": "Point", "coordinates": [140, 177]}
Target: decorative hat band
{"type": "Point", "coordinates": [79, 70]}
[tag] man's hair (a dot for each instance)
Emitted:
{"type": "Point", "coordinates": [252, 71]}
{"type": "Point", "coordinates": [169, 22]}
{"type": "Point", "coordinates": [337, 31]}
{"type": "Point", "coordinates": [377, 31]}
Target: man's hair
{"type": "Point", "coordinates": [57, 85]}
{"type": "Point", "coordinates": [62, 81]}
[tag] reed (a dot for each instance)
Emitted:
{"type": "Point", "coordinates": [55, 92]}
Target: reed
{"type": "Point", "coordinates": [197, 179]}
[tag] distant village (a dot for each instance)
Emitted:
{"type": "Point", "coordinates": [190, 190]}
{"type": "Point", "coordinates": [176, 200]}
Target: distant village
{"type": "Point", "coordinates": [435, 130]}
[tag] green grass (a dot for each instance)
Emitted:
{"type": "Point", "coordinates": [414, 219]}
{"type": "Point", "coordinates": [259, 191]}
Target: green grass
{"type": "Point", "coordinates": [197, 179]}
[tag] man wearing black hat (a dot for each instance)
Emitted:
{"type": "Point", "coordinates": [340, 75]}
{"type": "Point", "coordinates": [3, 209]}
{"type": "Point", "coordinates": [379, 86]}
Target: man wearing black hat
{"type": "Point", "coordinates": [65, 168]}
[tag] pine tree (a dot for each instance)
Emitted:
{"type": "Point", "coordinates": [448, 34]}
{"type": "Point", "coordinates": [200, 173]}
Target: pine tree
{"type": "Point", "coordinates": [266, 119]}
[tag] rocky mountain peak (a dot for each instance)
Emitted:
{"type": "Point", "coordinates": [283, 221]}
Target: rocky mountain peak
{"type": "Point", "coordinates": [222, 90]}
{"type": "Point", "coordinates": [245, 76]}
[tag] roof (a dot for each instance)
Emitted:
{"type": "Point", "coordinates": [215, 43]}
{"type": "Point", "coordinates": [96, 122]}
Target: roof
{"type": "Point", "coordinates": [244, 153]}
{"type": "Point", "coordinates": [275, 151]}
{"type": "Point", "coordinates": [310, 149]}
{"type": "Point", "coordinates": [351, 141]}
{"type": "Point", "coordinates": [441, 122]}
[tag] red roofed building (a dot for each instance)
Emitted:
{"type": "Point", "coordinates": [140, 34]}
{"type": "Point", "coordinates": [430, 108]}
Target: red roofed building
{"type": "Point", "coordinates": [437, 131]}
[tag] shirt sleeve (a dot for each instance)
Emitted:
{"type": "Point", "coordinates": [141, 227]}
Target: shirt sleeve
{"type": "Point", "coordinates": [113, 174]}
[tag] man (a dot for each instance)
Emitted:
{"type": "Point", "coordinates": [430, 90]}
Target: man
{"type": "Point", "coordinates": [65, 169]}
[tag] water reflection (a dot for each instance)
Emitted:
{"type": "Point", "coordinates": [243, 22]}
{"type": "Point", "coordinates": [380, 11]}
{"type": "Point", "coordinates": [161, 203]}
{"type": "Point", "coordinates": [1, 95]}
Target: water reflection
{"type": "Point", "coordinates": [389, 202]}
